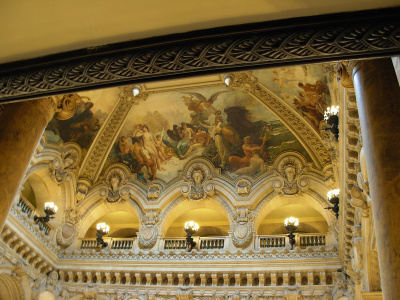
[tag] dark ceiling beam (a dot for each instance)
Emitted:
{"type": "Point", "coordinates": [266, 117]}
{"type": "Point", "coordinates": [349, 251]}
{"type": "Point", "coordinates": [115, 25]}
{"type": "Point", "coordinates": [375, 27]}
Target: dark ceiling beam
{"type": "Point", "coordinates": [356, 35]}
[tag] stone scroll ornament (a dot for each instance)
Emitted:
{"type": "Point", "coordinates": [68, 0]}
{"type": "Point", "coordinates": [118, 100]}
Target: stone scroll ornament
{"type": "Point", "coordinates": [243, 187]}
{"type": "Point", "coordinates": [149, 230]}
{"type": "Point", "coordinates": [291, 181]}
{"type": "Point", "coordinates": [114, 190]}
{"type": "Point", "coordinates": [66, 234]}
{"type": "Point", "coordinates": [61, 170]}
{"type": "Point", "coordinates": [197, 186]}
{"type": "Point", "coordinates": [242, 227]}
{"type": "Point", "coordinates": [154, 191]}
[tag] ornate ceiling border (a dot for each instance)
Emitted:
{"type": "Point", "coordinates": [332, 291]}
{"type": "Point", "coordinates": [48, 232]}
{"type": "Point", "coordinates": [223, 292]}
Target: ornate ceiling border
{"type": "Point", "coordinates": [355, 35]}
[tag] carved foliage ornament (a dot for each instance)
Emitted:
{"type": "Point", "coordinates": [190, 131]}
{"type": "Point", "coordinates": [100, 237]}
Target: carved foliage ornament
{"type": "Point", "coordinates": [149, 230]}
{"type": "Point", "coordinates": [291, 182]}
{"type": "Point", "coordinates": [67, 233]}
{"type": "Point", "coordinates": [242, 227]}
{"type": "Point", "coordinates": [115, 180]}
{"type": "Point", "coordinates": [243, 187]}
{"type": "Point", "coordinates": [198, 186]}
{"type": "Point", "coordinates": [154, 191]}
{"type": "Point", "coordinates": [61, 170]}
{"type": "Point", "coordinates": [369, 33]}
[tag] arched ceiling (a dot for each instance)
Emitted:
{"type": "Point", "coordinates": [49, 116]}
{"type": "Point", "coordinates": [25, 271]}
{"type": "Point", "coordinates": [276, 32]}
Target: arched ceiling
{"type": "Point", "coordinates": [201, 117]}
{"type": "Point", "coordinates": [39, 28]}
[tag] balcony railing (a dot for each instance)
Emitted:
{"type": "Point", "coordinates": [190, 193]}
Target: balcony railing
{"type": "Point", "coordinates": [302, 240]}
{"type": "Point", "coordinates": [28, 209]}
{"type": "Point", "coordinates": [113, 243]}
{"type": "Point", "coordinates": [208, 243]}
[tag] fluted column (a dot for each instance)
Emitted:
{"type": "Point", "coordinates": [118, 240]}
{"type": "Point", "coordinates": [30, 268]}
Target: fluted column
{"type": "Point", "coordinates": [378, 99]}
{"type": "Point", "coordinates": [21, 126]}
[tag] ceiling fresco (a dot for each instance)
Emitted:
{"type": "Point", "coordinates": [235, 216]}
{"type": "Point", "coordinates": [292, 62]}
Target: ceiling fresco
{"type": "Point", "coordinates": [230, 128]}
{"type": "Point", "coordinates": [305, 88]}
{"type": "Point", "coordinates": [93, 108]}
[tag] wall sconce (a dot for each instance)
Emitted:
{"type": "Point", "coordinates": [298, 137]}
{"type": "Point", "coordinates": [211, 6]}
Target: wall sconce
{"type": "Point", "coordinates": [291, 225]}
{"type": "Point", "coordinates": [333, 197]}
{"type": "Point", "coordinates": [50, 209]}
{"type": "Point", "coordinates": [331, 116]}
{"type": "Point", "coordinates": [136, 90]}
{"type": "Point", "coordinates": [228, 79]}
{"type": "Point", "coordinates": [191, 228]}
{"type": "Point", "coordinates": [102, 229]}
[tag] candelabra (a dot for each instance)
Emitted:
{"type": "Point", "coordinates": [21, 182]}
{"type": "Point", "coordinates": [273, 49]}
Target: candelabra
{"type": "Point", "coordinates": [291, 225]}
{"type": "Point", "coordinates": [102, 229]}
{"type": "Point", "coordinates": [331, 116]}
{"type": "Point", "coordinates": [333, 197]}
{"type": "Point", "coordinates": [191, 228]}
{"type": "Point", "coordinates": [50, 209]}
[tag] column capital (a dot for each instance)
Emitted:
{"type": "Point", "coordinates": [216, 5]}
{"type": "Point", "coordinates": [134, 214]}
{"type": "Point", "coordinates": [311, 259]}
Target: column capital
{"type": "Point", "coordinates": [343, 74]}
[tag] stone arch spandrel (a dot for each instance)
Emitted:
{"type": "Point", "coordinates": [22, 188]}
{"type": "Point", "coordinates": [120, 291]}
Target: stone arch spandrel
{"type": "Point", "coordinates": [179, 206]}
{"type": "Point", "coordinates": [274, 201]}
{"type": "Point", "coordinates": [100, 208]}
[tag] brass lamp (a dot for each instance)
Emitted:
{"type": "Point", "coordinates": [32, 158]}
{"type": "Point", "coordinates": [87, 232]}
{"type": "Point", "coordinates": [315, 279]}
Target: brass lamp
{"type": "Point", "coordinates": [291, 225]}
{"type": "Point", "coordinates": [191, 228]}
{"type": "Point", "coordinates": [331, 116]}
{"type": "Point", "coordinates": [102, 229]}
{"type": "Point", "coordinates": [333, 197]}
{"type": "Point", "coordinates": [50, 209]}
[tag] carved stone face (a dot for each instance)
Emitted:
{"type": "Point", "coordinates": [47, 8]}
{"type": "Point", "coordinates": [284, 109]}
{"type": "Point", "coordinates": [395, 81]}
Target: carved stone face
{"type": "Point", "coordinates": [114, 183]}
{"type": "Point", "coordinates": [68, 161]}
{"type": "Point", "coordinates": [197, 177]}
{"type": "Point", "coordinates": [290, 173]}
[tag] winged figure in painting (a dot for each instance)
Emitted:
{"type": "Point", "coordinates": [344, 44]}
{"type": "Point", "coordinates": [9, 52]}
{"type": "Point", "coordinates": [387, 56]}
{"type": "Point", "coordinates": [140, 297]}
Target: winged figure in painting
{"type": "Point", "coordinates": [200, 103]}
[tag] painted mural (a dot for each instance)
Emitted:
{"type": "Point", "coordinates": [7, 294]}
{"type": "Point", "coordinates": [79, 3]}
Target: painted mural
{"type": "Point", "coordinates": [92, 110]}
{"type": "Point", "coordinates": [305, 88]}
{"type": "Point", "coordinates": [229, 128]}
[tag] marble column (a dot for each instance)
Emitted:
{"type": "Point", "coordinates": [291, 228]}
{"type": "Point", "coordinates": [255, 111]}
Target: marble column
{"type": "Point", "coordinates": [21, 126]}
{"type": "Point", "coordinates": [378, 99]}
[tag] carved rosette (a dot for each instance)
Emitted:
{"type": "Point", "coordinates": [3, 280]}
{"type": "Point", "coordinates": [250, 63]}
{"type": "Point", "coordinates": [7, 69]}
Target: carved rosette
{"type": "Point", "coordinates": [61, 170]}
{"type": "Point", "coordinates": [197, 185]}
{"type": "Point", "coordinates": [243, 187]}
{"type": "Point", "coordinates": [149, 230]}
{"type": "Point", "coordinates": [154, 191]}
{"type": "Point", "coordinates": [67, 232]}
{"type": "Point", "coordinates": [291, 181]}
{"type": "Point", "coordinates": [242, 227]}
{"type": "Point", "coordinates": [114, 189]}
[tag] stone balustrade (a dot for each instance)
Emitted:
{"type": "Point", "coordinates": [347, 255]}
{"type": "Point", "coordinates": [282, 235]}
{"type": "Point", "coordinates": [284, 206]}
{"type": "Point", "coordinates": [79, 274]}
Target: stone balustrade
{"type": "Point", "coordinates": [222, 279]}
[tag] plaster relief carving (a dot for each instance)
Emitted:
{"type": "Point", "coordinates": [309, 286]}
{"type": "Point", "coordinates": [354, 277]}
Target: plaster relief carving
{"type": "Point", "coordinates": [148, 232]}
{"type": "Point", "coordinates": [242, 227]}
{"type": "Point", "coordinates": [61, 170]}
{"type": "Point", "coordinates": [115, 180]}
{"type": "Point", "coordinates": [154, 191]}
{"type": "Point", "coordinates": [291, 182]}
{"type": "Point", "coordinates": [243, 187]}
{"type": "Point", "coordinates": [184, 294]}
{"type": "Point", "coordinates": [81, 192]}
{"type": "Point", "coordinates": [66, 234]}
{"type": "Point", "coordinates": [197, 186]}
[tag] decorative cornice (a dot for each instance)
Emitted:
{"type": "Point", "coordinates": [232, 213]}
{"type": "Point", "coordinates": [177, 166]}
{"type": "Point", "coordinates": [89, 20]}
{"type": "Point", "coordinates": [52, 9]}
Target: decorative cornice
{"type": "Point", "coordinates": [312, 39]}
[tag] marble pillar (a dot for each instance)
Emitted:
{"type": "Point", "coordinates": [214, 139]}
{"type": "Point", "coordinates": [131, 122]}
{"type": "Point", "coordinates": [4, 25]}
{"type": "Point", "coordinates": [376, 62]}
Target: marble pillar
{"type": "Point", "coordinates": [21, 126]}
{"type": "Point", "coordinates": [378, 99]}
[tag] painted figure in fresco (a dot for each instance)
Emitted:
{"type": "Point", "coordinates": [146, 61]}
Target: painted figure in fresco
{"type": "Point", "coordinates": [256, 163]}
{"type": "Point", "coordinates": [200, 139]}
{"type": "Point", "coordinates": [149, 145]}
{"type": "Point", "coordinates": [248, 149]}
{"type": "Point", "coordinates": [201, 103]}
{"type": "Point", "coordinates": [311, 101]}
{"type": "Point", "coordinates": [216, 132]}
{"type": "Point", "coordinates": [124, 146]}
{"type": "Point", "coordinates": [161, 149]}
{"type": "Point", "coordinates": [138, 154]}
